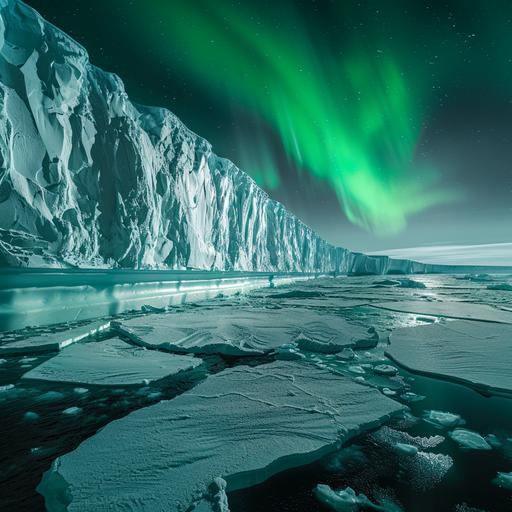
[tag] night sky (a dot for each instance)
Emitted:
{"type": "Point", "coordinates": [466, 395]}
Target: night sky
{"type": "Point", "coordinates": [382, 125]}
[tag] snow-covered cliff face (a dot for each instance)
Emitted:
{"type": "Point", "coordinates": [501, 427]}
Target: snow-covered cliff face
{"type": "Point", "coordinates": [89, 178]}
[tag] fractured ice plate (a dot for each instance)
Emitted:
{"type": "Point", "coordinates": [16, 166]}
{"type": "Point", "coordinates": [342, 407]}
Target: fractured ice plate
{"type": "Point", "coordinates": [54, 341]}
{"type": "Point", "coordinates": [112, 362]}
{"type": "Point", "coordinates": [453, 309]}
{"type": "Point", "coordinates": [243, 331]}
{"type": "Point", "coordinates": [477, 354]}
{"type": "Point", "coordinates": [244, 425]}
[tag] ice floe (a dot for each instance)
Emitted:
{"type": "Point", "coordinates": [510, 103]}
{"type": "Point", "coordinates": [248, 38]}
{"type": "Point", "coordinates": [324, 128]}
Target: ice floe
{"type": "Point", "coordinates": [503, 480]}
{"type": "Point", "coordinates": [242, 425]}
{"type": "Point", "coordinates": [469, 440]}
{"type": "Point", "coordinates": [52, 341]}
{"type": "Point", "coordinates": [443, 419]}
{"type": "Point", "coordinates": [244, 331]}
{"type": "Point", "coordinates": [112, 362]}
{"type": "Point", "coordinates": [450, 309]}
{"type": "Point", "coordinates": [474, 353]}
{"type": "Point", "coordinates": [347, 500]}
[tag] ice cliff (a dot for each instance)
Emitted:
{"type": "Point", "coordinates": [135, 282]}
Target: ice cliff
{"type": "Point", "coordinates": [89, 178]}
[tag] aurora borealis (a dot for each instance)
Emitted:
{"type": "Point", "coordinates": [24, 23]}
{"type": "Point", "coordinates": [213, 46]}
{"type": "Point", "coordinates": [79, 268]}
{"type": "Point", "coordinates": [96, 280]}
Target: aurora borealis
{"type": "Point", "coordinates": [348, 118]}
{"type": "Point", "coordinates": [381, 125]}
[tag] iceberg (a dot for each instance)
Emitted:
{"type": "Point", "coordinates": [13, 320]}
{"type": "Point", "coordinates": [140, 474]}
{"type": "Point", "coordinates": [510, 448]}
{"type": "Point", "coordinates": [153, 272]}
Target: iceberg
{"type": "Point", "coordinates": [112, 362]}
{"type": "Point", "coordinates": [242, 425]}
{"type": "Point", "coordinates": [476, 354]}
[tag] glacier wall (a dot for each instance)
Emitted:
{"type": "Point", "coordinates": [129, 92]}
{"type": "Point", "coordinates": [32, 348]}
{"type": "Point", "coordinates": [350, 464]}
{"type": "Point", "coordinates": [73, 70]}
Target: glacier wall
{"type": "Point", "coordinates": [90, 179]}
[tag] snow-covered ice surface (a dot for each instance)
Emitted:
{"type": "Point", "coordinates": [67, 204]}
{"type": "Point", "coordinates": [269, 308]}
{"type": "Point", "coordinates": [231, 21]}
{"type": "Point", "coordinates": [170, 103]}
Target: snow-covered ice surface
{"type": "Point", "coordinates": [245, 331]}
{"type": "Point", "coordinates": [478, 354]}
{"type": "Point", "coordinates": [111, 362]}
{"type": "Point", "coordinates": [243, 425]}
{"type": "Point", "coordinates": [51, 341]}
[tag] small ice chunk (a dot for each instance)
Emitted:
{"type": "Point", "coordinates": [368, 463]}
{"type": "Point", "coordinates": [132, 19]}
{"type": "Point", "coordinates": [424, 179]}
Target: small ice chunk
{"type": "Point", "coordinates": [412, 397]}
{"type": "Point", "coordinates": [443, 419]}
{"type": "Point", "coordinates": [388, 392]}
{"type": "Point", "coordinates": [6, 387]}
{"type": "Point", "coordinates": [72, 411]}
{"type": "Point", "coordinates": [346, 500]}
{"type": "Point", "coordinates": [346, 354]}
{"type": "Point", "coordinates": [406, 449]}
{"type": "Point", "coordinates": [493, 440]}
{"type": "Point", "coordinates": [469, 439]}
{"type": "Point", "coordinates": [289, 352]}
{"type": "Point", "coordinates": [80, 391]}
{"type": "Point", "coordinates": [31, 416]}
{"type": "Point", "coordinates": [385, 369]}
{"type": "Point", "coordinates": [3, 361]}
{"type": "Point", "coordinates": [355, 368]}
{"type": "Point", "coordinates": [369, 340]}
{"type": "Point", "coordinates": [503, 480]}
{"type": "Point", "coordinates": [410, 283]}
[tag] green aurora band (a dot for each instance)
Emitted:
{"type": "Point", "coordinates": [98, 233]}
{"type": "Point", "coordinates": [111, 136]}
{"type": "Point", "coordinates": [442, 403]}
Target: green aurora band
{"type": "Point", "coordinates": [347, 117]}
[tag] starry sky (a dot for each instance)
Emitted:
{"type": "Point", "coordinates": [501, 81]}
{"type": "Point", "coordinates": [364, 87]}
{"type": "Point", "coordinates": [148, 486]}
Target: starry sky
{"type": "Point", "coordinates": [383, 125]}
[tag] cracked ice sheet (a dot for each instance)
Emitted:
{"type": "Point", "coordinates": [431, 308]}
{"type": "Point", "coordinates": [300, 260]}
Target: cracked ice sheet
{"type": "Point", "coordinates": [243, 331]}
{"type": "Point", "coordinates": [54, 341]}
{"type": "Point", "coordinates": [473, 353]}
{"type": "Point", "coordinates": [453, 309]}
{"type": "Point", "coordinates": [112, 362]}
{"type": "Point", "coordinates": [244, 425]}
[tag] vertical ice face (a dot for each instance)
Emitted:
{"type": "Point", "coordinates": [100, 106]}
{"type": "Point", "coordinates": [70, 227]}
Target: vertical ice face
{"type": "Point", "coordinates": [89, 178]}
